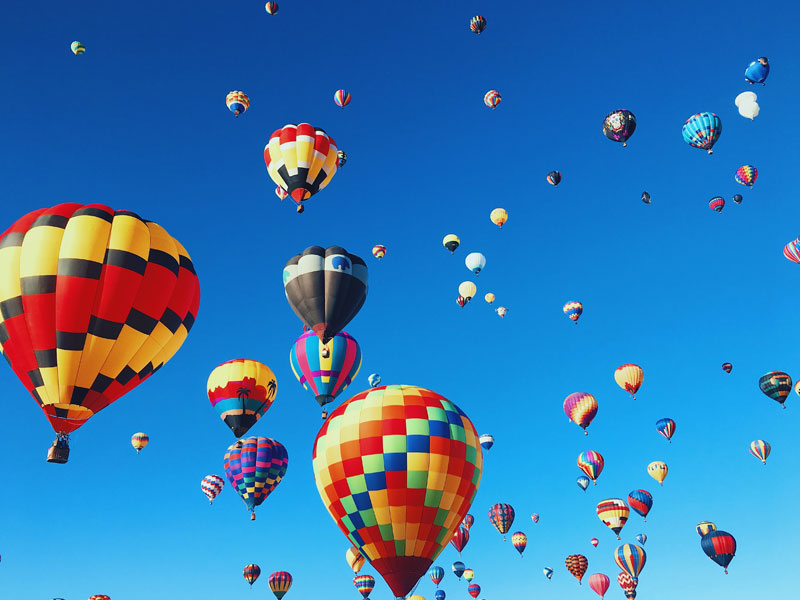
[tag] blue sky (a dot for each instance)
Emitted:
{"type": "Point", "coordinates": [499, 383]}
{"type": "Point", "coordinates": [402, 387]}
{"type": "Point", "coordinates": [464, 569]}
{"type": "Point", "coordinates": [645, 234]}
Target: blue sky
{"type": "Point", "coordinates": [139, 122]}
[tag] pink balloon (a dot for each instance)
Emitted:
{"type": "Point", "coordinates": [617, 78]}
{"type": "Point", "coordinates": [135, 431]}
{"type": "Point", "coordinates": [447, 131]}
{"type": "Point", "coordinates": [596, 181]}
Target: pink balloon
{"type": "Point", "coordinates": [599, 583]}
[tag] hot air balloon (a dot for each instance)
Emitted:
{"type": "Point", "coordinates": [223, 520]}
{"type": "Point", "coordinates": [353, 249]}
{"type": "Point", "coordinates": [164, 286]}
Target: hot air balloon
{"type": "Point", "coordinates": [440, 595]}
{"type": "Point", "coordinates": [402, 497]}
{"type": "Point", "coordinates": [469, 575]}
{"type": "Point", "coordinates": [477, 24]}
{"type": "Point", "coordinates": [703, 527]}
{"type": "Point", "coordinates": [467, 289]}
{"type": "Point", "coordinates": [436, 574]}
{"type": "Point", "coordinates": [702, 130]}
{"type": "Point", "coordinates": [374, 380]}
{"type": "Point", "coordinates": [629, 377]}
{"type": "Point", "coordinates": [499, 216]}
{"type": "Point", "coordinates": [255, 466]}
{"type": "Point", "coordinates": [727, 367]}
{"type": "Point", "coordinates": [379, 251]}
{"type": "Point", "coordinates": [719, 546]}
{"type": "Point", "coordinates": [241, 391]}
{"type": "Point", "coordinates": [489, 297]}
{"type": "Point", "coordinates": [630, 558]}
{"type": "Point", "coordinates": [460, 539]}
{"type": "Point", "coordinates": [451, 242]}
{"type": "Point", "coordinates": [797, 388]}
{"type": "Point", "coordinates": [502, 517]}
{"type": "Point", "coordinates": [737, 198]}
{"type": "Point", "coordinates": [271, 7]}
{"type": "Point", "coordinates": [599, 584]}
{"type": "Point", "coordinates": [211, 486]}
{"type": "Point", "coordinates": [474, 590]}
{"type": "Point", "coordinates": [577, 565]}
{"type": "Point", "coordinates": [355, 559]}
{"type": "Point", "coordinates": [458, 569]}
{"type": "Point", "coordinates": [583, 482]}
{"type": "Point", "coordinates": [717, 203]}
{"type": "Point", "coordinates": [619, 125]}
{"type": "Point", "coordinates": [251, 573]}
{"type": "Point", "coordinates": [325, 370]}
{"type": "Point", "coordinates": [646, 197]}
{"type": "Point", "coordinates": [594, 542]}
{"type": "Point", "coordinates": [302, 160]}
{"type": "Point", "coordinates": [613, 512]}
{"type": "Point", "coordinates": [492, 98]}
{"type": "Point", "coordinates": [519, 540]}
{"type": "Point", "coordinates": [468, 521]}
{"type": "Point", "coordinates": [461, 301]}
{"type": "Point", "coordinates": [95, 301]}
{"type": "Point", "coordinates": [658, 471]}
{"type": "Point", "coordinates": [776, 385]}
{"type": "Point", "coordinates": [535, 517]}
{"type": "Point", "coordinates": [501, 311]}
{"type": "Point", "coordinates": [573, 310]}
{"type": "Point", "coordinates": [746, 175]}
{"type": "Point", "coordinates": [99, 597]}
{"type": "Point", "coordinates": [757, 71]}
{"type": "Point", "coordinates": [580, 408]}
{"type": "Point", "coordinates": [591, 463]}
{"type": "Point", "coordinates": [548, 572]}
{"type": "Point", "coordinates": [326, 287]}
{"type": "Point", "coordinates": [641, 501]}
{"type": "Point", "coordinates": [475, 262]}
{"type": "Point", "coordinates": [341, 98]}
{"type": "Point", "coordinates": [281, 193]}
{"type": "Point", "coordinates": [554, 178]}
{"type": "Point", "coordinates": [279, 583]}
{"type": "Point", "coordinates": [641, 538]}
{"type": "Point", "coordinates": [627, 584]}
{"type": "Point", "coordinates": [791, 251]}
{"type": "Point", "coordinates": [139, 441]}
{"type": "Point", "coordinates": [341, 159]}
{"type": "Point", "coordinates": [760, 449]}
{"type": "Point", "coordinates": [77, 48]}
{"type": "Point", "coordinates": [666, 427]}
{"type": "Point", "coordinates": [364, 584]}
{"type": "Point", "coordinates": [237, 102]}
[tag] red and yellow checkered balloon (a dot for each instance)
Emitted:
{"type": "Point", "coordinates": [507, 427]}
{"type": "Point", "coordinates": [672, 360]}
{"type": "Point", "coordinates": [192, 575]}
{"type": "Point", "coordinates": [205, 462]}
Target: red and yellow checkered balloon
{"type": "Point", "coordinates": [398, 467]}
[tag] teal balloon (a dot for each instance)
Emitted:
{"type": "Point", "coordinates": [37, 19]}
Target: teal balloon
{"type": "Point", "coordinates": [702, 130]}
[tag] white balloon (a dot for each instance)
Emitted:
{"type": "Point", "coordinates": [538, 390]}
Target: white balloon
{"type": "Point", "coordinates": [745, 97]}
{"type": "Point", "coordinates": [749, 110]}
{"type": "Point", "coordinates": [475, 262]}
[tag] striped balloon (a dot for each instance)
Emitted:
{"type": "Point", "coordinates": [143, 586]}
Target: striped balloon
{"type": "Point", "coordinates": [460, 539]}
{"type": "Point", "coordinates": [477, 24]}
{"type": "Point", "coordinates": [139, 441]}
{"type": "Point", "coordinates": [717, 203]}
{"type": "Point", "coordinates": [746, 175]}
{"type": "Point", "coordinates": [599, 584]}
{"type": "Point", "coordinates": [573, 310]}
{"type": "Point", "coordinates": [271, 8]}
{"type": "Point", "coordinates": [581, 408]}
{"type": "Point", "coordinates": [702, 130]}
{"type": "Point", "coordinates": [251, 573]}
{"type": "Point", "coordinates": [341, 98]}
{"type": "Point", "coordinates": [613, 512]}
{"type": "Point", "coordinates": [631, 559]}
{"type": "Point", "coordinates": [436, 574]}
{"type": "Point", "coordinates": [577, 565]}
{"type": "Point", "coordinates": [379, 251]}
{"type": "Point", "coordinates": [468, 521]}
{"type": "Point", "coordinates": [629, 377]}
{"type": "Point", "coordinates": [641, 538]}
{"type": "Point", "coordinates": [666, 427]}
{"type": "Point", "coordinates": [776, 385]}
{"type": "Point", "coordinates": [502, 517]}
{"type": "Point", "coordinates": [591, 463]}
{"type": "Point", "coordinates": [519, 540]}
{"type": "Point", "coordinates": [554, 178]}
{"type": "Point", "coordinates": [727, 367]}
{"type": "Point", "coordinates": [791, 251]}
{"type": "Point", "coordinates": [237, 102]}
{"type": "Point", "coordinates": [641, 501]}
{"type": "Point", "coordinates": [458, 569]}
{"type": "Point", "coordinates": [255, 466]}
{"type": "Point", "coordinates": [279, 583]}
{"type": "Point", "coordinates": [719, 546]}
{"type": "Point", "coordinates": [474, 590]}
{"type": "Point", "coordinates": [364, 584]}
{"type": "Point", "coordinates": [703, 527]}
{"type": "Point", "coordinates": [760, 449]}
{"type": "Point", "coordinates": [212, 485]}
{"type": "Point", "coordinates": [325, 370]}
{"type": "Point", "coordinates": [77, 48]}
{"type": "Point", "coordinates": [492, 99]}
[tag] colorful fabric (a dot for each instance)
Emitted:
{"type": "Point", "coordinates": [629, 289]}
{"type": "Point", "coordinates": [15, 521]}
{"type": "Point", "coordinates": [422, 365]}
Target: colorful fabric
{"type": "Point", "coordinates": [474, 590]}
{"type": "Point", "coordinates": [760, 449]}
{"type": "Point", "coordinates": [702, 130]}
{"type": "Point", "coordinates": [613, 512]}
{"type": "Point", "coordinates": [341, 98]}
{"type": "Point", "coordinates": [591, 463]}
{"type": "Point", "coordinates": [719, 546]}
{"type": "Point", "coordinates": [641, 501]}
{"type": "Point", "coordinates": [364, 584]}
{"type": "Point", "coordinates": [77, 48]}
{"type": "Point", "coordinates": [629, 377]}
{"type": "Point", "coordinates": [502, 517]}
{"type": "Point", "coordinates": [581, 408]}
{"type": "Point", "coordinates": [460, 539]}
{"type": "Point", "coordinates": [355, 559]}
{"type": "Point", "coordinates": [746, 175]}
{"type": "Point", "coordinates": [251, 573]}
{"type": "Point", "coordinates": [492, 98]}
{"type": "Point", "coordinates": [477, 24]}
{"type": "Point", "coordinates": [619, 125]}
{"type": "Point", "coordinates": [237, 102]}
{"type": "Point", "coordinates": [379, 251]}
{"type": "Point", "coordinates": [280, 582]}
{"type": "Point", "coordinates": [554, 178]}
{"type": "Point", "coordinates": [658, 470]}
{"type": "Point", "coordinates": [212, 485]}
{"type": "Point", "coordinates": [436, 574]}
{"type": "Point", "coordinates": [241, 391]}
{"type": "Point", "coordinates": [703, 527]}
{"type": "Point", "coordinates": [630, 558]}
{"type": "Point", "coordinates": [519, 540]}
{"type": "Point", "coordinates": [776, 385]}
{"type": "Point", "coordinates": [139, 441]}
{"type": "Point", "coordinates": [791, 251]}
{"type": "Point", "coordinates": [573, 310]}
{"type": "Point", "coordinates": [717, 203]}
{"type": "Point", "coordinates": [666, 427]}
{"type": "Point", "coordinates": [255, 466]}
{"type": "Point", "coordinates": [577, 565]}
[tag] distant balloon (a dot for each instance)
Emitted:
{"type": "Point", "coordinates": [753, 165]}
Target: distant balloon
{"type": "Point", "coordinates": [727, 367]}
{"type": "Point", "coordinates": [641, 538]}
{"type": "Point", "coordinates": [237, 102]}
{"type": "Point", "coordinates": [474, 590]}
{"type": "Point", "coordinates": [591, 463]}
{"type": "Point", "coordinates": [519, 540]}
{"type": "Point", "coordinates": [613, 512]}
{"type": "Point", "coordinates": [583, 482]}
{"type": "Point", "coordinates": [436, 574]}
{"type": "Point", "coordinates": [477, 24]}
{"type": "Point", "coordinates": [580, 408]}
{"type": "Point", "coordinates": [717, 203]}
{"type": "Point", "coordinates": [757, 71]}
{"type": "Point", "coordinates": [702, 130]}
{"type": "Point", "coordinates": [241, 391]}
{"type": "Point", "coordinates": [379, 251]}
{"type": "Point", "coordinates": [341, 98]}
{"type": "Point", "coordinates": [599, 584]}
{"type": "Point", "coordinates": [458, 569]}
{"type": "Point", "coordinates": [251, 573]}
{"type": "Point", "coordinates": [631, 559]}
{"type": "Point", "coordinates": [577, 565]}
{"type": "Point", "coordinates": [535, 517]}
{"type": "Point", "coordinates": [746, 175]}
{"type": "Point", "coordinates": [594, 542]}
{"type": "Point", "coordinates": [792, 251]}
{"type": "Point", "coordinates": [629, 377]}
{"type": "Point", "coordinates": [502, 517]}
{"type": "Point", "coordinates": [475, 262]}
{"type": "Point", "coordinates": [719, 546]}
{"type": "Point", "coordinates": [554, 178]}
{"type": "Point", "coordinates": [469, 575]}
{"type": "Point", "coordinates": [776, 385]}
{"type": "Point", "coordinates": [212, 485]}
{"type": "Point", "coordinates": [77, 48]}
{"type": "Point", "coordinates": [364, 584]}
{"type": "Point", "coordinates": [279, 583]}
{"type": "Point", "coordinates": [619, 125]}
{"type": "Point", "coordinates": [760, 449]}
{"type": "Point", "coordinates": [439, 595]}
{"type": "Point", "coordinates": [271, 7]}
{"type": "Point", "coordinates": [487, 441]}
{"type": "Point", "coordinates": [501, 311]}
{"type": "Point", "coordinates": [341, 156]}
{"type": "Point", "coordinates": [374, 380]}
{"type": "Point", "coordinates": [139, 441]}
{"type": "Point", "coordinates": [646, 197]}
{"type": "Point", "coordinates": [744, 98]}
{"type": "Point", "coordinates": [499, 216]}
{"type": "Point", "coordinates": [461, 301]}
{"type": "Point", "coordinates": [468, 521]}
{"type": "Point", "coordinates": [666, 427]}
{"type": "Point", "coordinates": [255, 466]}
{"type": "Point", "coordinates": [489, 297]}
{"type": "Point", "coordinates": [641, 501]}
{"type": "Point", "coordinates": [355, 559]}
{"type": "Point", "coordinates": [548, 572]}
{"type": "Point", "coordinates": [451, 242]}
{"type": "Point", "coordinates": [460, 539]}
{"type": "Point", "coordinates": [492, 98]}
{"type": "Point", "coordinates": [658, 471]}
{"type": "Point", "coordinates": [703, 527]}
{"type": "Point", "coordinates": [573, 310]}
{"type": "Point", "coordinates": [737, 198]}
{"type": "Point", "coordinates": [468, 290]}
{"type": "Point", "coordinates": [627, 584]}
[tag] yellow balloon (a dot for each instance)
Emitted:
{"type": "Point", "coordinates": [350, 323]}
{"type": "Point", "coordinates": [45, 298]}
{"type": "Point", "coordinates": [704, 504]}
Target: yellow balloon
{"type": "Point", "coordinates": [467, 289]}
{"type": "Point", "coordinates": [415, 597]}
{"type": "Point", "coordinates": [629, 377]}
{"type": "Point", "coordinates": [658, 471]}
{"type": "Point", "coordinates": [355, 559]}
{"type": "Point", "coordinates": [489, 297]}
{"type": "Point", "coordinates": [451, 242]}
{"type": "Point", "coordinates": [499, 216]}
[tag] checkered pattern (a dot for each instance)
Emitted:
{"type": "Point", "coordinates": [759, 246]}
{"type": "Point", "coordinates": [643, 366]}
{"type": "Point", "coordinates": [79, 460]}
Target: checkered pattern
{"type": "Point", "coordinates": [212, 485]}
{"type": "Point", "coordinates": [251, 573]}
{"type": "Point", "coordinates": [398, 467]}
{"type": "Point", "coordinates": [577, 565]}
{"type": "Point", "coordinates": [280, 582]}
{"type": "Point", "coordinates": [237, 102]}
{"type": "Point", "coordinates": [502, 517]}
{"type": "Point", "coordinates": [364, 584]}
{"type": "Point", "coordinates": [614, 513]}
{"type": "Point", "coordinates": [255, 468]}
{"type": "Point", "coordinates": [591, 463]}
{"type": "Point", "coordinates": [746, 175]}
{"type": "Point", "coordinates": [241, 391]}
{"type": "Point", "coordinates": [92, 302]}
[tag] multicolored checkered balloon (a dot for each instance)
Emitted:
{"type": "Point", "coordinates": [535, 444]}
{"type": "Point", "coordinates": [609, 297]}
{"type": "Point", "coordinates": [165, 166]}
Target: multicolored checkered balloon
{"type": "Point", "coordinates": [255, 466]}
{"type": "Point", "coordinates": [398, 467]}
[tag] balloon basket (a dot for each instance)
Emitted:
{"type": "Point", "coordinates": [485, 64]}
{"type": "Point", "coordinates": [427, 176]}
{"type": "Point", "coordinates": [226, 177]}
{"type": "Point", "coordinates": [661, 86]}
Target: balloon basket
{"type": "Point", "coordinates": [252, 516]}
{"type": "Point", "coordinates": [59, 451]}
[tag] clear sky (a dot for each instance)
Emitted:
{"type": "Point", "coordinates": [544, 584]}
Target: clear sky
{"type": "Point", "coordinates": [139, 122]}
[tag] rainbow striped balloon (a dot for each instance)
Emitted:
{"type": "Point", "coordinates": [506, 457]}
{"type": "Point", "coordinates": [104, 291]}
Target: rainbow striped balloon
{"type": "Point", "coordinates": [591, 463]}
{"type": "Point", "coordinates": [760, 449]}
{"type": "Point", "coordinates": [492, 98]}
{"type": "Point", "coordinates": [364, 584]}
{"type": "Point", "coordinates": [279, 583]}
{"type": "Point", "coordinates": [341, 98]}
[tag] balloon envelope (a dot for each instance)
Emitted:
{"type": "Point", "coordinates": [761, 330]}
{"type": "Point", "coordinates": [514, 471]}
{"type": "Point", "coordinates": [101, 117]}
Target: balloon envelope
{"type": "Point", "coordinates": [241, 391]}
{"type": "Point", "coordinates": [255, 466]}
